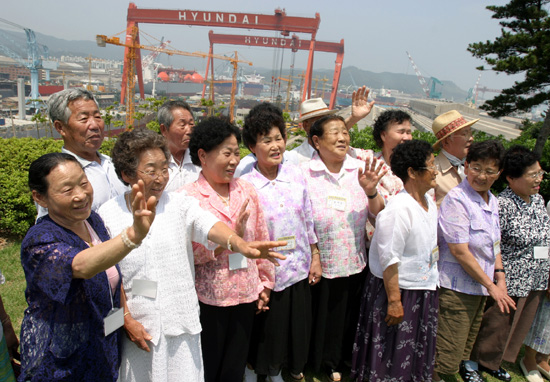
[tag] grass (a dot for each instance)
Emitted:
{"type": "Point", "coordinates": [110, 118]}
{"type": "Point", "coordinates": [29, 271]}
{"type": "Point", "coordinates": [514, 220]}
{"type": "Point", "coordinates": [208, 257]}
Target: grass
{"type": "Point", "coordinates": [13, 296]}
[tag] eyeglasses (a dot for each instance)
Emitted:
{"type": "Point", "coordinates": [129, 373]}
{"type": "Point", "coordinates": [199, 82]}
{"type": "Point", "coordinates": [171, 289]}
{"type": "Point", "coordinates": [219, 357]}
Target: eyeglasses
{"type": "Point", "coordinates": [536, 175]}
{"type": "Point", "coordinates": [479, 171]}
{"type": "Point", "coordinates": [154, 175]}
{"type": "Point", "coordinates": [431, 168]}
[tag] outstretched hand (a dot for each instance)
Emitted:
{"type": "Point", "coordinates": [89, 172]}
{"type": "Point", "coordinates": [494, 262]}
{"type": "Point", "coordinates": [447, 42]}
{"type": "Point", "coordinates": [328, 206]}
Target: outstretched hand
{"type": "Point", "coordinates": [261, 250]}
{"type": "Point", "coordinates": [143, 210]}
{"type": "Point", "coordinates": [371, 175]}
{"type": "Point", "coordinates": [360, 106]}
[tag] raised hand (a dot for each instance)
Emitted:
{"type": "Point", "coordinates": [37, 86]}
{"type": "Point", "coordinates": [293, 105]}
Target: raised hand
{"type": "Point", "coordinates": [244, 214]}
{"type": "Point", "coordinates": [360, 106]}
{"type": "Point", "coordinates": [370, 176]}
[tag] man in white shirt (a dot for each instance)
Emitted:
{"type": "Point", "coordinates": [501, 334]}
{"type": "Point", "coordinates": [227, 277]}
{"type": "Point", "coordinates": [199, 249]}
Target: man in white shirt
{"type": "Point", "coordinates": [76, 117]}
{"type": "Point", "coordinates": [176, 125]}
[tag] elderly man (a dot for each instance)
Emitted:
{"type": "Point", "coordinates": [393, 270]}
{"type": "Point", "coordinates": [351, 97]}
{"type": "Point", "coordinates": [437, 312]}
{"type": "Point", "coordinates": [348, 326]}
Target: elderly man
{"type": "Point", "coordinates": [76, 117]}
{"type": "Point", "coordinates": [454, 135]}
{"type": "Point", "coordinates": [176, 125]}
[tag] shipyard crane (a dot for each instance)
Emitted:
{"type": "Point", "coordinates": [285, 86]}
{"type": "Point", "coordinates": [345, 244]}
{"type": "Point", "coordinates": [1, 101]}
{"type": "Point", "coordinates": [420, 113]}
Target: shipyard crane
{"type": "Point", "coordinates": [129, 83]}
{"type": "Point", "coordinates": [429, 90]}
{"type": "Point", "coordinates": [33, 61]}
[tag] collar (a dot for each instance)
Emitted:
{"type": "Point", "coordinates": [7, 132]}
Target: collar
{"type": "Point", "coordinates": [316, 164]}
{"type": "Point", "coordinates": [85, 162]}
{"type": "Point", "coordinates": [474, 195]}
{"type": "Point", "coordinates": [259, 180]}
{"type": "Point", "coordinates": [214, 200]}
{"type": "Point", "coordinates": [444, 163]}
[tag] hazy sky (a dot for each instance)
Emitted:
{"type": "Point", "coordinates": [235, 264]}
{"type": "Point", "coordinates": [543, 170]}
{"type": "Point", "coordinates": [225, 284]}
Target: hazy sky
{"type": "Point", "coordinates": [376, 33]}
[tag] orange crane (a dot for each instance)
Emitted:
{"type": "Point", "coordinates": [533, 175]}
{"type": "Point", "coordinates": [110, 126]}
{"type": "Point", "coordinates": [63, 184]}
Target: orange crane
{"type": "Point", "coordinates": [130, 81]}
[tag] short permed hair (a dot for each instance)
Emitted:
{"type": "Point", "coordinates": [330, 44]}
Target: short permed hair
{"type": "Point", "coordinates": [42, 167]}
{"type": "Point", "coordinates": [410, 154]}
{"type": "Point", "coordinates": [58, 103]}
{"type": "Point", "coordinates": [318, 128]}
{"type": "Point", "coordinates": [260, 120]}
{"type": "Point", "coordinates": [384, 120]}
{"type": "Point", "coordinates": [130, 145]}
{"type": "Point", "coordinates": [486, 150]}
{"type": "Point", "coordinates": [209, 134]}
{"type": "Point", "coordinates": [516, 160]}
{"type": "Point", "coordinates": [164, 114]}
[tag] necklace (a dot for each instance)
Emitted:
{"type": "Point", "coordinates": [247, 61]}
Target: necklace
{"type": "Point", "coordinates": [223, 198]}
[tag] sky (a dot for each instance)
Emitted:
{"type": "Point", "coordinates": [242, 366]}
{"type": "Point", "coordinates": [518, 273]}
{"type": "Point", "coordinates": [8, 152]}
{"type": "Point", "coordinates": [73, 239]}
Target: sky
{"type": "Point", "coordinates": [376, 33]}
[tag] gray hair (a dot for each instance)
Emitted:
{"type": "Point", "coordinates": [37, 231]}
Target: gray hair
{"type": "Point", "coordinates": [58, 104]}
{"type": "Point", "coordinates": [165, 116]}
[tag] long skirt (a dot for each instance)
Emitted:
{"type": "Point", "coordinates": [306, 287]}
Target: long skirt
{"type": "Point", "coordinates": [404, 352]}
{"type": "Point", "coordinates": [539, 334]}
{"type": "Point", "coordinates": [6, 371]}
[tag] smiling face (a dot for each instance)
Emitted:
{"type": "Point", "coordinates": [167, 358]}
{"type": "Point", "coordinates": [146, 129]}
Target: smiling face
{"type": "Point", "coordinates": [178, 134]}
{"type": "Point", "coordinates": [269, 148]}
{"type": "Point", "coordinates": [458, 143]}
{"type": "Point", "coordinates": [84, 131]}
{"type": "Point", "coordinates": [69, 196]}
{"type": "Point", "coordinates": [395, 134]}
{"type": "Point", "coordinates": [152, 168]}
{"type": "Point", "coordinates": [528, 183]}
{"type": "Point", "coordinates": [219, 164]}
{"type": "Point", "coordinates": [482, 174]}
{"type": "Point", "coordinates": [333, 145]}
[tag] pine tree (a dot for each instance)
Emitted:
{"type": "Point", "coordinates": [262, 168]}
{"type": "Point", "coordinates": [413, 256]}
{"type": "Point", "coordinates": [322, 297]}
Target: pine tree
{"type": "Point", "coordinates": [522, 48]}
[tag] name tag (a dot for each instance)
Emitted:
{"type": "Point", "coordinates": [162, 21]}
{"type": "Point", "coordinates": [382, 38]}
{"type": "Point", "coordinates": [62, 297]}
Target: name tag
{"type": "Point", "coordinates": [434, 256]}
{"type": "Point", "coordinates": [113, 321]}
{"type": "Point", "coordinates": [146, 288]}
{"type": "Point", "coordinates": [496, 247]}
{"type": "Point", "coordinates": [337, 202]}
{"type": "Point", "coordinates": [237, 261]}
{"type": "Point", "coordinates": [290, 243]}
{"type": "Point", "coordinates": [541, 253]}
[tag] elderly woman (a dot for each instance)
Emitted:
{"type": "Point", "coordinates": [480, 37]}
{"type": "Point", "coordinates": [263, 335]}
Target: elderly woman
{"type": "Point", "coordinates": [525, 237]}
{"type": "Point", "coordinates": [69, 331]}
{"type": "Point", "coordinates": [399, 301]}
{"type": "Point", "coordinates": [230, 287]}
{"type": "Point", "coordinates": [342, 195]}
{"type": "Point", "coordinates": [281, 336]}
{"type": "Point", "coordinates": [161, 307]}
{"type": "Point", "coordinates": [470, 263]}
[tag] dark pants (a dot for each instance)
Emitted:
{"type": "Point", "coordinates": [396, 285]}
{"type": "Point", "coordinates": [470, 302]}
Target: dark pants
{"type": "Point", "coordinates": [501, 335]}
{"type": "Point", "coordinates": [225, 338]}
{"type": "Point", "coordinates": [336, 304]}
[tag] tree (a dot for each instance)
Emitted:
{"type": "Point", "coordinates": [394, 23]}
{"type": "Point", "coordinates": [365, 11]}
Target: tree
{"type": "Point", "coordinates": [522, 48]}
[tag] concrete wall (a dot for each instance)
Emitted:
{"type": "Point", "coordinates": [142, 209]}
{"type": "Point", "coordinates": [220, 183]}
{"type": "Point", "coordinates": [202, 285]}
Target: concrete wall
{"type": "Point", "coordinates": [431, 109]}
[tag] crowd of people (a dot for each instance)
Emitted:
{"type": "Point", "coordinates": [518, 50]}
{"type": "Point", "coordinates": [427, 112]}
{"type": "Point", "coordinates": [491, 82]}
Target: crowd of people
{"type": "Point", "coordinates": [175, 260]}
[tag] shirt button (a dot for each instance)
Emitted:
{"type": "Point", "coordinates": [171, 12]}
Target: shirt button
{"type": "Point", "coordinates": [281, 205]}
{"type": "Point", "coordinates": [273, 183]}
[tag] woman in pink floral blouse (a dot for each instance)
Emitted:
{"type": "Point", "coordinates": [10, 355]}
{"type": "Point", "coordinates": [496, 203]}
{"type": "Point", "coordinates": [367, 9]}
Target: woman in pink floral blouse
{"type": "Point", "coordinates": [230, 287]}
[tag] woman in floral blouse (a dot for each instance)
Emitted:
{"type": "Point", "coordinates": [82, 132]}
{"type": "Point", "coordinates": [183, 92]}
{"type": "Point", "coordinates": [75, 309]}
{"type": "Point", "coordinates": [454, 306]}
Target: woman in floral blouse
{"type": "Point", "coordinates": [525, 236]}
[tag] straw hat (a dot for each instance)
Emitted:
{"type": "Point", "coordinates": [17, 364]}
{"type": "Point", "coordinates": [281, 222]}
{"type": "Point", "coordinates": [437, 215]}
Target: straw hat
{"type": "Point", "coordinates": [448, 123]}
{"type": "Point", "coordinates": [314, 107]}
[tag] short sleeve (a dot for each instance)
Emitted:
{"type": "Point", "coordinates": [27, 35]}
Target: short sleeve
{"type": "Point", "coordinates": [392, 228]}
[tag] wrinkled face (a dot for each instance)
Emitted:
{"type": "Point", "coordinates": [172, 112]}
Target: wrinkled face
{"type": "Point", "coordinates": [429, 174]}
{"type": "Point", "coordinates": [69, 197]}
{"type": "Point", "coordinates": [219, 164]}
{"type": "Point", "coordinates": [529, 183]}
{"type": "Point", "coordinates": [482, 174]}
{"type": "Point", "coordinates": [269, 148]}
{"type": "Point", "coordinates": [334, 144]}
{"type": "Point", "coordinates": [395, 134]}
{"type": "Point", "coordinates": [459, 142]}
{"type": "Point", "coordinates": [84, 132]}
{"type": "Point", "coordinates": [178, 134]}
{"type": "Point", "coordinates": [153, 170]}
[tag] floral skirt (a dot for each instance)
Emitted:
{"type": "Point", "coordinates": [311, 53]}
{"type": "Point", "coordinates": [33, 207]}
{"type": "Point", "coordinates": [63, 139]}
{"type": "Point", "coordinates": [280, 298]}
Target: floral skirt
{"type": "Point", "coordinates": [404, 352]}
{"type": "Point", "coordinates": [539, 334]}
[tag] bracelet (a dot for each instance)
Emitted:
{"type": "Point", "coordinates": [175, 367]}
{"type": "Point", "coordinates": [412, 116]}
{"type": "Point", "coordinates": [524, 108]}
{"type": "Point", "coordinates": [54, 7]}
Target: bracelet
{"type": "Point", "coordinates": [373, 196]}
{"type": "Point", "coordinates": [127, 242]}
{"type": "Point", "coordinates": [229, 243]}
{"type": "Point", "coordinates": [125, 314]}
{"type": "Point", "coordinates": [316, 252]}
{"type": "Point", "coordinates": [499, 270]}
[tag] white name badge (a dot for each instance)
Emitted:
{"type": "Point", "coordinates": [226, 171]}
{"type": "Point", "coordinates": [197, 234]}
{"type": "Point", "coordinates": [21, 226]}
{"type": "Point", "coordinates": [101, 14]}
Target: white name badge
{"type": "Point", "coordinates": [434, 256]}
{"type": "Point", "coordinates": [113, 321]}
{"type": "Point", "coordinates": [146, 288]}
{"type": "Point", "coordinates": [290, 243]}
{"type": "Point", "coordinates": [541, 253]}
{"type": "Point", "coordinates": [337, 202]}
{"type": "Point", "coordinates": [496, 247]}
{"type": "Point", "coordinates": [237, 261]}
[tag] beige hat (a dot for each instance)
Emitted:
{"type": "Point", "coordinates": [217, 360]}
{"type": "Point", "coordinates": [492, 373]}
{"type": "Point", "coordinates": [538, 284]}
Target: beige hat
{"type": "Point", "coordinates": [448, 123]}
{"type": "Point", "coordinates": [314, 107]}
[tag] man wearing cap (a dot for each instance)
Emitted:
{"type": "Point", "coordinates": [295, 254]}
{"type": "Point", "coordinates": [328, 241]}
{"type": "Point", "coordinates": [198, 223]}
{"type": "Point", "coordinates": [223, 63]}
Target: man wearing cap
{"type": "Point", "coordinates": [313, 109]}
{"type": "Point", "coordinates": [454, 136]}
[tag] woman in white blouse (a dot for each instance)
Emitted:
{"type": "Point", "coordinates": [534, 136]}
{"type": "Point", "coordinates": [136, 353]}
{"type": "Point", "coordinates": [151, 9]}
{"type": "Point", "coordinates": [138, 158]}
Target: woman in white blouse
{"type": "Point", "coordinates": [396, 333]}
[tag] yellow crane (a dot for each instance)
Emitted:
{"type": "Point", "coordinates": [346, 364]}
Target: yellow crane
{"type": "Point", "coordinates": [102, 40]}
